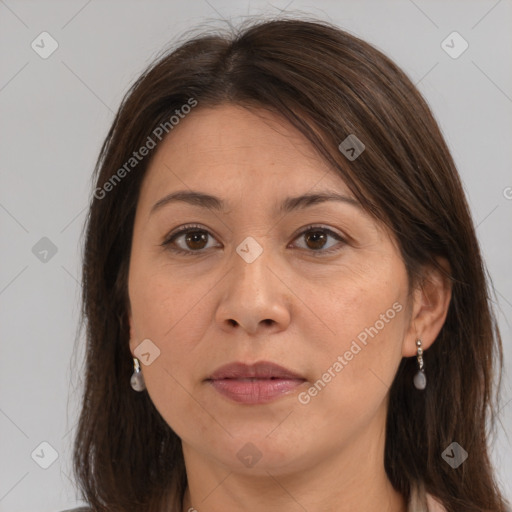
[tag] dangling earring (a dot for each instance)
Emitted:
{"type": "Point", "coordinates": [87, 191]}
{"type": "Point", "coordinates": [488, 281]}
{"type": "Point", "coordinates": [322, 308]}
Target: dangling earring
{"type": "Point", "coordinates": [137, 379]}
{"type": "Point", "coordinates": [420, 379]}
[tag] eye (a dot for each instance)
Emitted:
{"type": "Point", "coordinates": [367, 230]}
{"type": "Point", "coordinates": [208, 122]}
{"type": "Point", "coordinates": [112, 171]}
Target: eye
{"type": "Point", "coordinates": [194, 240]}
{"type": "Point", "coordinates": [315, 238]}
{"type": "Point", "coordinates": [193, 237]}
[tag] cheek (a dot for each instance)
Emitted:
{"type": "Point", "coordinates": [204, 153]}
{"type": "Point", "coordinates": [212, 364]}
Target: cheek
{"type": "Point", "coordinates": [171, 313]}
{"type": "Point", "coordinates": [162, 303]}
{"type": "Point", "coordinates": [353, 378]}
{"type": "Point", "coordinates": [363, 301]}
{"type": "Point", "coordinates": [355, 363]}
{"type": "Point", "coordinates": [339, 315]}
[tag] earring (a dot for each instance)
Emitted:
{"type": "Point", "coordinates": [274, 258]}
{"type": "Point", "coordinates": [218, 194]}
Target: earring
{"type": "Point", "coordinates": [420, 379]}
{"type": "Point", "coordinates": [137, 379]}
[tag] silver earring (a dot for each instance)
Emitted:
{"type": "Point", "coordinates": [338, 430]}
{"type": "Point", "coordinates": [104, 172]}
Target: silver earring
{"type": "Point", "coordinates": [420, 379]}
{"type": "Point", "coordinates": [137, 379]}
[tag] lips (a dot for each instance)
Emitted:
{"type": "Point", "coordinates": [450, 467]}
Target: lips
{"type": "Point", "coordinates": [254, 384]}
{"type": "Point", "coordinates": [262, 370]}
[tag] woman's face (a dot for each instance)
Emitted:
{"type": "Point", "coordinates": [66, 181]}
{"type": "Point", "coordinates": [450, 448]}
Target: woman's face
{"type": "Point", "coordinates": [255, 283]}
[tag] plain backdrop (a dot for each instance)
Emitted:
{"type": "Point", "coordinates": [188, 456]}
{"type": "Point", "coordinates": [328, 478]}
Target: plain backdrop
{"type": "Point", "coordinates": [55, 113]}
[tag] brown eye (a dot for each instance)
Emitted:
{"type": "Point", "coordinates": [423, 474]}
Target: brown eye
{"type": "Point", "coordinates": [191, 240]}
{"type": "Point", "coordinates": [196, 239]}
{"type": "Point", "coordinates": [316, 238]}
{"type": "Point", "coordinates": [188, 240]}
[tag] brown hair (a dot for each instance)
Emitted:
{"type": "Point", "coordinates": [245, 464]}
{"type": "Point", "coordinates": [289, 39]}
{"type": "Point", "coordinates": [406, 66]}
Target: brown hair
{"type": "Point", "coordinates": [328, 84]}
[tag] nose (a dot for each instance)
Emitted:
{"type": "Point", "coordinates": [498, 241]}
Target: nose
{"type": "Point", "coordinates": [254, 297]}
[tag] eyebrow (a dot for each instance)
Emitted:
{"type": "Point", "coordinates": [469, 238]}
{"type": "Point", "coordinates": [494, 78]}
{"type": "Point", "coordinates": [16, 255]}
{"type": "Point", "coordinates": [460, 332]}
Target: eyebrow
{"type": "Point", "coordinates": [289, 204]}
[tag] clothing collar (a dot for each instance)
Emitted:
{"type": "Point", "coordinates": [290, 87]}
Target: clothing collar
{"type": "Point", "coordinates": [421, 501]}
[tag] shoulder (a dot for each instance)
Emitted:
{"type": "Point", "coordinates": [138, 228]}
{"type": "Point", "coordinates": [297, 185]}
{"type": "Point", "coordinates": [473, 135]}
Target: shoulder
{"type": "Point", "coordinates": [79, 509]}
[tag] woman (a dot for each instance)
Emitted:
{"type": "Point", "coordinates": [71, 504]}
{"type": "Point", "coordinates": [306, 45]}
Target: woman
{"type": "Point", "coordinates": [239, 360]}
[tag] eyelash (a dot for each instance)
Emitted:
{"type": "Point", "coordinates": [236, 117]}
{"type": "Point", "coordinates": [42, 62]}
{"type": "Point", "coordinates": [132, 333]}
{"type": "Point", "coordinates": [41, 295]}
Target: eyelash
{"type": "Point", "coordinates": [193, 227]}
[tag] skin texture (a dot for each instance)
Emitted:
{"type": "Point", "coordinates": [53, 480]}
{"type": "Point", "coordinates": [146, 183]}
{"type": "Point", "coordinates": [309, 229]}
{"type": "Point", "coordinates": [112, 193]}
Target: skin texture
{"type": "Point", "coordinates": [290, 306]}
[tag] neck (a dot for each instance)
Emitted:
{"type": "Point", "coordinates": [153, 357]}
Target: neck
{"type": "Point", "coordinates": [284, 495]}
{"type": "Point", "coordinates": [352, 479]}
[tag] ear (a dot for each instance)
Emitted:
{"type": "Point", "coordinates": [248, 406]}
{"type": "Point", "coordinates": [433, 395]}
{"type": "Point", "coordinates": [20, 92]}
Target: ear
{"type": "Point", "coordinates": [430, 303]}
{"type": "Point", "coordinates": [133, 345]}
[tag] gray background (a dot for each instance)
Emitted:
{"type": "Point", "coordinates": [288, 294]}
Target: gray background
{"type": "Point", "coordinates": [55, 112]}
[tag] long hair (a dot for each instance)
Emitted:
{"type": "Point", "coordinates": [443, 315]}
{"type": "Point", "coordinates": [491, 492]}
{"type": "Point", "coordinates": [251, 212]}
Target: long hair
{"type": "Point", "coordinates": [328, 84]}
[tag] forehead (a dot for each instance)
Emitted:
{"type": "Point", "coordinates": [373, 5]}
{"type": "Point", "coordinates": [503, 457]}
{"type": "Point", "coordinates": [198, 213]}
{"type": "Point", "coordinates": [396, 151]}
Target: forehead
{"type": "Point", "coordinates": [230, 149]}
